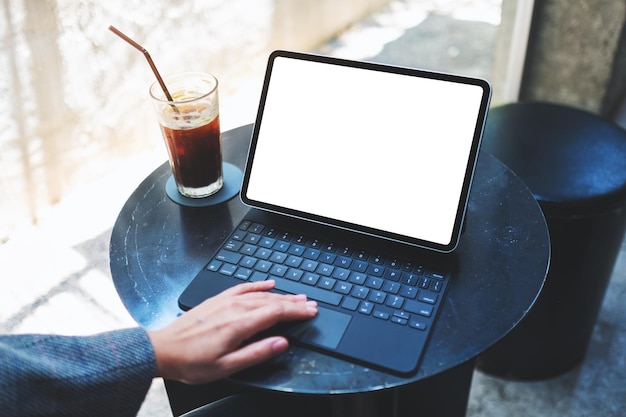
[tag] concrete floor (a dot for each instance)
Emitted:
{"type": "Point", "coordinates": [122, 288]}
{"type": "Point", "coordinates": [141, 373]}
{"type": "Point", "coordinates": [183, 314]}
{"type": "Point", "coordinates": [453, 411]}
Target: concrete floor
{"type": "Point", "coordinates": [71, 272]}
{"type": "Point", "coordinates": [595, 388]}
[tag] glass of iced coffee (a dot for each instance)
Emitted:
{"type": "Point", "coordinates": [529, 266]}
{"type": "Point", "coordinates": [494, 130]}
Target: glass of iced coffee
{"type": "Point", "coordinates": [190, 124]}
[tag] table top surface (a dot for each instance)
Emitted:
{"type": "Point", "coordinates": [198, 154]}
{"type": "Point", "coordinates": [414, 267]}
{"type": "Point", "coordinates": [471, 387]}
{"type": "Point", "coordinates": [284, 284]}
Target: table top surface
{"type": "Point", "coordinates": [157, 247]}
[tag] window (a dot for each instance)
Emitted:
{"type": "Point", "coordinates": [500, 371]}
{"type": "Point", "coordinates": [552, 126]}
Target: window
{"type": "Point", "coordinates": [75, 103]}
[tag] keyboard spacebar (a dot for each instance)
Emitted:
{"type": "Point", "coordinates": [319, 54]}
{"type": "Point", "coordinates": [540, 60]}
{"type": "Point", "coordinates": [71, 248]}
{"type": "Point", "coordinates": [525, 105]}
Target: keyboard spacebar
{"type": "Point", "coordinates": [313, 293]}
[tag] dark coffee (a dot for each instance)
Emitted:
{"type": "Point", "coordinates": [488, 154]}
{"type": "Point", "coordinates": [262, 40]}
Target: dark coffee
{"type": "Point", "coordinates": [195, 154]}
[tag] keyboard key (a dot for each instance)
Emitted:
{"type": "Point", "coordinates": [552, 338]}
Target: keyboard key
{"type": "Point", "coordinates": [252, 238]}
{"type": "Point", "coordinates": [214, 265]}
{"type": "Point", "coordinates": [256, 228]}
{"type": "Point", "coordinates": [357, 278]}
{"type": "Point", "coordinates": [392, 274]}
{"type": "Point", "coordinates": [393, 263]}
{"type": "Point", "coordinates": [238, 235]}
{"type": "Point", "coordinates": [258, 276]}
{"type": "Point", "coordinates": [327, 283]}
{"type": "Point", "coordinates": [395, 302]}
{"type": "Point", "coordinates": [377, 259]}
{"type": "Point", "coordinates": [402, 314]}
{"type": "Point", "coordinates": [419, 325]}
{"type": "Point", "coordinates": [327, 257]}
{"type": "Point", "coordinates": [263, 266]}
{"type": "Point", "coordinates": [282, 246]}
{"type": "Point", "coordinates": [228, 269]}
{"type": "Point", "coordinates": [366, 307]}
{"type": "Point", "coordinates": [248, 261]}
{"type": "Point", "coordinates": [309, 265]}
{"type": "Point", "coordinates": [294, 274]}
{"type": "Point", "coordinates": [313, 293]}
{"type": "Point", "coordinates": [399, 320]}
{"type": "Point", "coordinates": [361, 255]}
{"type": "Point", "coordinates": [436, 275]}
{"type": "Point", "coordinates": [278, 257]}
{"type": "Point", "coordinates": [263, 253]}
{"type": "Point", "coordinates": [233, 245]}
{"type": "Point", "coordinates": [350, 303]}
{"type": "Point", "coordinates": [409, 278]}
{"type": "Point", "coordinates": [278, 270]}
{"type": "Point", "coordinates": [343, 261]}
{"type": "Point", "coordinates": [379, 314]}
{"type": "Point", "coordinates": [267, 242]}
{"type": "Point", "coordinates": [248, 249]}
{"type": "Point", "coordinates": [376, 270]}
{"type": "Point", "coordinates": [311, 253]}
{"type": "Point", "coordinates": [360, 292]}
{"type": "Point", "coordinates": [359, 266]}
{"type": "Point", "coordinates": [228, 256]}
{"type": "Point", "coordinates": [408, 291]}
{"type": "Point", "coordinates": [271, 232]}
{"type": "Point", "coordinates": [427, 297]}
{"type": "Point", "coordinates": [437, 286]}
{"type": "Point", "coordinates": [374, 282]}
{"type": "Point", "coordinates": [243, 273]}
{"type": "Point", "coordinates": [343, 288]}
{"type": "Point", "coordinates": [329, 247]}
{"type": "Point", "coordinates": [340, 273]}
{"type": "Point", "coordinates": [344, 250]}
{"type": "Point", "coordinates": [293, 261]}
{"type": "Point", "coordinates": [325, 270]}
{"type": "Point", "coordinates": [418, 307]}
{"type": "Point", "coordinates": [377, 297]}
{"type": "Point", "coordinates": [391, 287]}
{"type": "Point", "coordinates": [423, 282]}
{"type": "Point", "coordinates": [314, 243]}
{"type": "Point", "coordinates": [310, 279]}
{"type": "Point", "coordinates": [297, 250]}
{"type": "Point", "coordinates": [286, 236]}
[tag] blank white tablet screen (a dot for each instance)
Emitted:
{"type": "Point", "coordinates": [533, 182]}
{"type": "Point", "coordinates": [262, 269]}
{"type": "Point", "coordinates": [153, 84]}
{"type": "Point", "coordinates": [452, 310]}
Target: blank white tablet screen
{"type": "Point", "coordinates": [383, 150]}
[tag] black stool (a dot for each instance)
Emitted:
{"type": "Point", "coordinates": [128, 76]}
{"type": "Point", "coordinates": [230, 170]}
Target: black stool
{"type": "Point", "coordinates": [574, 163]}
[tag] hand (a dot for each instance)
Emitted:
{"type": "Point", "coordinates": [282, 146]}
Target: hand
{"type": "Point", "coordinates": [207, 342]}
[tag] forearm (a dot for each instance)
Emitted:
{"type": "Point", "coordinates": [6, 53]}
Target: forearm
{"type": "Point", "coordinates": [102, 375]}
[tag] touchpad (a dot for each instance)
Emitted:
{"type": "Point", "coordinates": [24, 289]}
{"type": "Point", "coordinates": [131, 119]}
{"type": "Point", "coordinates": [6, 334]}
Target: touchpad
{"type": "Point", "coordinates": [326, 329]}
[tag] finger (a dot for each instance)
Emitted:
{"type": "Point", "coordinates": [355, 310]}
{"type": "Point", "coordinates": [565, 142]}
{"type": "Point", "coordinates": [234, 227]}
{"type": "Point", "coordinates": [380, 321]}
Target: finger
{"type": "Point", "coordinates": [270, 297]}
{"type": "Point", "coordinates": [261, 287]}
{"type": "Point", "coordinates": [259, 290]}
{"type": "Point", "coordinates": [253, 354]}
{"type": "Point", "coordinates": [266, 315]}
{"type": "Point", "coordinates": [251, 287]}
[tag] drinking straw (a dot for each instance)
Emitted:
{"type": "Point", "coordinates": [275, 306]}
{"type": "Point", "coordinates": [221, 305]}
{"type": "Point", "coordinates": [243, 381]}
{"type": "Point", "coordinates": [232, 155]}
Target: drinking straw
{"type": "Point", "coordinates": [147, 55]}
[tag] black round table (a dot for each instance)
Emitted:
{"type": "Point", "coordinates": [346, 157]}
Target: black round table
{"type": "Point", "coordinates": [158, 246]}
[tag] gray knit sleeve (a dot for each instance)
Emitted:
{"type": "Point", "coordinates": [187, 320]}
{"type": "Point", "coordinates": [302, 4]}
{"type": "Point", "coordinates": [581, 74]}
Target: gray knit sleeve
{"type": "Point", "coordinates": [107, 374]}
